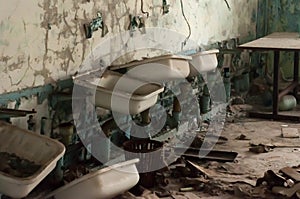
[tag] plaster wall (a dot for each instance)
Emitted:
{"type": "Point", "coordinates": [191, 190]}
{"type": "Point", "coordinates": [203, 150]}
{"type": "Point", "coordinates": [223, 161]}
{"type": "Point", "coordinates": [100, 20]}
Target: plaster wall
{"type": "Point", "coordinates": [43, 41]}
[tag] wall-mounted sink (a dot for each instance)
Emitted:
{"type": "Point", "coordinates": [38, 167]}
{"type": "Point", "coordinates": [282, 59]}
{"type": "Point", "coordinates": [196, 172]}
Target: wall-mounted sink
{"type": "Point", "coordinates": [203, 62]}
{"type": "Point", "coordinates": [161, 68]}
{"type": "Point", "coordinates": [144, 94]}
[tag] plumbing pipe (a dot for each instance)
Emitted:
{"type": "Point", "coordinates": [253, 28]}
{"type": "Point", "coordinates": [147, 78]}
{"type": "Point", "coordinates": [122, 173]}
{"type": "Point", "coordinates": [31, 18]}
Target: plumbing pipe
{"type": "Point", "coordinates": [109, 126]}
{"type": "Point", "coordinates": [146, 117]}
{"type": "Point", "coordinates": [176, 105]}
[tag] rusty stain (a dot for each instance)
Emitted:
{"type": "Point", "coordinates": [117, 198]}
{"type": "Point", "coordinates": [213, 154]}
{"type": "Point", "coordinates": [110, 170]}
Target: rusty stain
{"type": "Point", "coordinates": [18, 64]}
{"type": "Point", "coordinates": [5, 59]}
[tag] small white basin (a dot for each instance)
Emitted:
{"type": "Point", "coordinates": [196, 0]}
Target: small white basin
{"type": "Point", "coordinates": [166, 67]}
{"type": "Point", "coordinates": [27, 145]}
{"type": "Point", "coordinates": [203, 62]}
{"type": "Point", "coordinates": [141, 95]}
{"type": "Point", "coordinates": [102, 184]}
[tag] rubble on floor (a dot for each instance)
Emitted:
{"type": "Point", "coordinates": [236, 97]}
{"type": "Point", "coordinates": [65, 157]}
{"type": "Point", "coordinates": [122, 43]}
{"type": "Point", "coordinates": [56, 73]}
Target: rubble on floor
{"type": "Point", "coordinates": [192, 178]}
{"type": "Point", "coordinates": [286, 182]}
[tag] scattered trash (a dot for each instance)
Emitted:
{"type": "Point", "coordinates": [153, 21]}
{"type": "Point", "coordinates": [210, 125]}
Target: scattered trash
{"type": "Point", "coordinates": [243, 191]}
{"type": "Point", "coordinates": [292, 173]}
{"type": "Point", "coordinates": [271, 179]}
{"type": "Point", "coordinates": [222, 156]}
{"type": "Point", "coordinates": [163, 194]}
{"type": "Point", "coordinates": [260, 149]}
{"type": "Point", "coordinates": [288, 192]}
{"type": "Point", "coordinates": [242, 137]}
{"type": "Point", "coordinates": [207, 173]}
{"type": "Point", "coordinates": [289, 183]}
{"type": "Point", "coordinates": [289, 133]}
{"type": "Point", "coordinates": [286, 183]}
{"type": "Point", "coordinates": [187, 189]}
{"type": "Point", "coordinates": [298, 194]}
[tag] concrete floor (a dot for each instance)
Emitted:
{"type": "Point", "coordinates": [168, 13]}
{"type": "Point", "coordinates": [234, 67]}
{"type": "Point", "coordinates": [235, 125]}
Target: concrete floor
{"type": "Point", "coordinates": [238, 176]}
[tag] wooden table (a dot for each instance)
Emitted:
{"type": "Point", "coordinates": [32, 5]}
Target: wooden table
{"type": "Point", "coordinates": [276, 42]}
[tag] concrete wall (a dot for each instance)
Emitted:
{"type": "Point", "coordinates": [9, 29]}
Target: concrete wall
{"type": "Point", "coordinates": [281, 16]}
{"type": "Point", "coordinates": [43, 41]}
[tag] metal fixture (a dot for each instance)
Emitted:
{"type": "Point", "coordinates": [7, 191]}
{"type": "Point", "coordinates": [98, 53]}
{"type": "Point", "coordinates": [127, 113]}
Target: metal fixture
{"type": "Point", "coordinates": [43, 126]}
{"type": "Point", "coordinates": [133, 24]}
{"type": "Point", "coordinates": [166, 7]}
{"type": "Point", "coordinates": [142, 8]}
{"type": "Point", "coordinates": [145, 115]}
{"type": "Point", "coordinates": [95, 25]}
{"type": "Point", "coordinates": [8, 113]}
{"type": "Point", "coordinates": [228, 6]}
{"type": "Point", "coordinates": [136, 22]}
{"type": "Point", "coordinates": [190, 29]}
{"type": "Point", "coordinates": [31, 123]}
{"type": "Point", "coordinates": [227, 83]}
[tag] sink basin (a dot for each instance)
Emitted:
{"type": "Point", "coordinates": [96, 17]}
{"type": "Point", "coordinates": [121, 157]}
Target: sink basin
{"type": "Point", "coordinates": [27, 145]}
{"type": "Point", "coordinates": [166, 67]}
{"type": "Point", "coordinates": [142, 98]}
{"type": "Point", "coordinates": [105, 183]}
{"type": "Point", "coordinates": [203, 62]}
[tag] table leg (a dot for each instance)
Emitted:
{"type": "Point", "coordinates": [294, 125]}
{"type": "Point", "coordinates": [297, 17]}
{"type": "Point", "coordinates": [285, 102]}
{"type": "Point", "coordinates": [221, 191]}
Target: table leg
{"type": "Point", "coordinates": [276, 84]}
{"type": "Point", "coordinates": [296, 71]}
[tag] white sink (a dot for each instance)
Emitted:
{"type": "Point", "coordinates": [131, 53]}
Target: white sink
{"type": "Point", "coordinates": [144, 94]}
{"type": "Point", "coordinates": [103, 184]}
{"type": "Point", "coordinates": [27, 145]}
{"type": "Point", "coordinates": [203, 62]}
{"type": "Point", "coordinates": [161, 68]}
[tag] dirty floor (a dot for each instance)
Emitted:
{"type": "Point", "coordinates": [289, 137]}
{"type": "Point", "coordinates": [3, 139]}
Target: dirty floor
{"type": "Point", "coordinates": [238, 179]}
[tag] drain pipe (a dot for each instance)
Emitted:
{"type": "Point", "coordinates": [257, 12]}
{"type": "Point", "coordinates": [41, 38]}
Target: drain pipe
{"type": "Point", "coordinates": [145, 115]}
{"type": "Point", "coordinates": [109, 126]}
{"type": "Point", "coordinates": [176, 110]}
{"type": "Point", "coordinates": [173, 120]}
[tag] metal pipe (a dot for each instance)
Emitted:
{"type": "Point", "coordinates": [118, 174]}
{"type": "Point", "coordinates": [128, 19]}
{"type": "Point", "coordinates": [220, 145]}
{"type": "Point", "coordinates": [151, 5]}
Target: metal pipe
{"type": "Point", "coordinates": [146, 117]}
{"type": "Point", "coordinates": [176, 105]}
{"type": "Point", "coordinates": [276, 83]}
{"type": "Point", "coordinates": [296, 72]}
{"type": "Point", "coordinates": [109, 126]}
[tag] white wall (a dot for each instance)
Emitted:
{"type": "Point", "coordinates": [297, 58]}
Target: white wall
{"type": "Point", "coordinates": [42, 41]}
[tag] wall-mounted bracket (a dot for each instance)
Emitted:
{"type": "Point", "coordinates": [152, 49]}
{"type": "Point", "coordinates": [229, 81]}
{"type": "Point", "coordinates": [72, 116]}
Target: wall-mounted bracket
{"type": "Point", "coordinates": [166, 7]}
{"type": "Point", "coordinates": [136, 22]}
{"type": "Point", "coordinates": [133, 23]}
{"type": "Point", "coordinates": [94, 25]}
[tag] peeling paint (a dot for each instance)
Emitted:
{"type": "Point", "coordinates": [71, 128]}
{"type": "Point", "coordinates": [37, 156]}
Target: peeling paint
{"type": "Point", "coordinates": [280, 16]}
{"type": "Point", "coordinates": [43, 41]}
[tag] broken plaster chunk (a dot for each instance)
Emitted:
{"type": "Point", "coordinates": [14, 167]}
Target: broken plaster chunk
{"type": "Point", "coordinates": [260, 149]}
{"type": "Point", "coordinates": [289, 133]}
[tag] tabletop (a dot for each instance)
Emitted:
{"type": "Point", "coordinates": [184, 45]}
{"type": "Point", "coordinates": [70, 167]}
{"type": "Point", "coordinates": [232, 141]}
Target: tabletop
{"type": "Point", "coordinates": [275, 41]}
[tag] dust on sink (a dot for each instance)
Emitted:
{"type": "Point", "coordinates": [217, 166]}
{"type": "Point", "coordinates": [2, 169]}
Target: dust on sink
{"type": "Point", "coordinates": [14, 165]}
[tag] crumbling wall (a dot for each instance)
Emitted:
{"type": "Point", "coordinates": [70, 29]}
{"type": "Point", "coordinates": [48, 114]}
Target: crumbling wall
{"type": "Point", "coordinates": [43, 41]}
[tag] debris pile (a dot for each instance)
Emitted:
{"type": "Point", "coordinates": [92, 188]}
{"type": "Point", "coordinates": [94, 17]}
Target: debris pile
{"type": "Point", "coordinates": [285, 183]}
